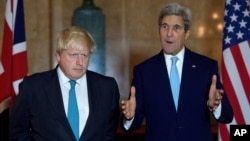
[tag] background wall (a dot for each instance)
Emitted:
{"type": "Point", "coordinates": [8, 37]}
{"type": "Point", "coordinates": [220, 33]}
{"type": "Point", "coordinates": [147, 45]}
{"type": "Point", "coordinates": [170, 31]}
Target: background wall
{"type": "Point", "coordinates": [131, 31]}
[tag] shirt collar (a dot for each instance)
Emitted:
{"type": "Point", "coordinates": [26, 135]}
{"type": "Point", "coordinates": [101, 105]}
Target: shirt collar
{"type": "Point", "coordinates": [180, 55]}
{"type": "Point", "coordinates": [64, 79]}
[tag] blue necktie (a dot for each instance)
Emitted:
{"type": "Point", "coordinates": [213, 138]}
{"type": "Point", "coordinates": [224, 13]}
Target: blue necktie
{"type": "Point", "coordinates": [174, 81]}
{"type": "Point", "coordinates": [73, 115]}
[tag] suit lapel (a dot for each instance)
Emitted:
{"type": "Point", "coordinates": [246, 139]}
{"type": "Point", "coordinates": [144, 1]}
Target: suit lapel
{"type": "Point", "coordinates": [161, 74]}
{"type": "Point", "coordinates": [189, 71]}
{"type": "Point", "coordinates": [54, 96]}
{"type": "Point", "coordinates": [91, 97]}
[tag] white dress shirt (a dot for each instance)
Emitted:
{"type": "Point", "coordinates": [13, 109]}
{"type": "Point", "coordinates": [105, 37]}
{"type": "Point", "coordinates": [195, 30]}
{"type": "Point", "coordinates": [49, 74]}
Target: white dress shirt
{"type": "Point", "coordinates": [179, 62]}
{"type": "Point", "coordinates": [81, 96]}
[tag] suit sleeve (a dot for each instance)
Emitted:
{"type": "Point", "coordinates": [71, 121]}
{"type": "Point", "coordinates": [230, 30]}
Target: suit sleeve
{"type": "Point", "coordinates": [226, 108]}
{"type": "Point", "coordinates": [19, 129]}
{"type": "Point", "coordinates": [226, 111]}
{"type": "Point", "coordinates": [114, 119]}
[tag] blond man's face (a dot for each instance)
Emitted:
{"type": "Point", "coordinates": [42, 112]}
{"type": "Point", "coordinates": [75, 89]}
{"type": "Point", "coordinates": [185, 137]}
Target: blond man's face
{"type": "Point", "coordinates": [74, 62]}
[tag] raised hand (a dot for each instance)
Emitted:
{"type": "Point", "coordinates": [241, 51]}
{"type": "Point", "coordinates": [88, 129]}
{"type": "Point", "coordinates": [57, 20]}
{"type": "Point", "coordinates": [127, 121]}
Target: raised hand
{"type": "Point", "coordinates": [128, 106]}
{"type": "Point", "coordinates": [215, 95]}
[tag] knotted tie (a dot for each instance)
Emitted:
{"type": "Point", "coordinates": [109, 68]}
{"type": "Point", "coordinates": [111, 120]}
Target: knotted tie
{"type": "Point", "coordinates": [73, 115]}
{"type": "Point", "coordinates": [174, 81]}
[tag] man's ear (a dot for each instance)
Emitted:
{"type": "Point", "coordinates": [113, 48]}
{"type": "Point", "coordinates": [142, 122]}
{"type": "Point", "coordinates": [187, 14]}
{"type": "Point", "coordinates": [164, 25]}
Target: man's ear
{"type": "Point", "coordinates": [57, 57]}
{"type": "Point", "coordinates": [187, 34]}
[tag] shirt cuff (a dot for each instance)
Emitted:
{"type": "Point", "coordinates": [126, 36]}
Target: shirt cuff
{"type": "Point", "coordinates": [127, 123]}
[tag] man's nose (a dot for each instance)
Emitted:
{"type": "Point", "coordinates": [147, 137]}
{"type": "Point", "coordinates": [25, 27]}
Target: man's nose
{"type": "Point", "coordinates": [170, 32]}
{"type": "Point", "coordinates": [79, 60]}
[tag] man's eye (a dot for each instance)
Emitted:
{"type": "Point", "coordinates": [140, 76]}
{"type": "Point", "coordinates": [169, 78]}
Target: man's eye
{"type": "Point", "coordinates": [73, 55]}
{"type": "Point", "coordinates": [177, 27]}
{"type": "Point", "coordinates": [85, 55]}
{"type": "Point", "coordinates": [164, 26]}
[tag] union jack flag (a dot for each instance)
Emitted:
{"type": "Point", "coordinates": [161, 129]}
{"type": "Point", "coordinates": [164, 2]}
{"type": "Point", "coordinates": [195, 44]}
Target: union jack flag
{"type": "Point", "coordinates": [13, 63]}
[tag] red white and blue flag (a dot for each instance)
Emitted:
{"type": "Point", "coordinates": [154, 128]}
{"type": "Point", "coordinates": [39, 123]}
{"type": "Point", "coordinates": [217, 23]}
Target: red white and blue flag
{"type": "Point", "coordinates": [235, 69]}
{"type": "Point", "coordinates": [13, 63]}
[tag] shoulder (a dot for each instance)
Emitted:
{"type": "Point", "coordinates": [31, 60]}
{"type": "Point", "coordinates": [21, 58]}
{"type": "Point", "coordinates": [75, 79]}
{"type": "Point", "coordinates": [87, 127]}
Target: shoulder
{"type": "Point", "coordinates": [101, 82]}
{"type": "Point", "coordinates": [151, 61]}
{"type": "Point", "coordinates": [41, 76]}
{"type": "Point", "coordinates": [37, 81]}
{"type": "Point", "coordinates": [91, 75]}
{"type": "Point", "coordinates": [198, 57]}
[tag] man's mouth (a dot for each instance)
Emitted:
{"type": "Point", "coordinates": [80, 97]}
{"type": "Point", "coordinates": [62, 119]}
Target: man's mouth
{"type": "Point", "coordinates": [169, 42]}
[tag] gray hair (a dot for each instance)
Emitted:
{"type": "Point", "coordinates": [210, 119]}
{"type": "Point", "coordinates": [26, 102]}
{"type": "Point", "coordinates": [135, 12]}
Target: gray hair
{"type": "Point", "coordinates": [178, 10]}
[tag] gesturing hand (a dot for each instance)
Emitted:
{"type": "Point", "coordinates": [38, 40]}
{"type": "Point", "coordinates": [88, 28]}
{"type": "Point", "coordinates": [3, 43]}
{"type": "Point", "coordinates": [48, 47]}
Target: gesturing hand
{"type": "Point", "coordinates": [215, 95]}
{"type": "Point", "coordinates": [128, 106]}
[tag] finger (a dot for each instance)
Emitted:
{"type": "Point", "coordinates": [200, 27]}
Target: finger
{"type": "Point", "coordinates": [122, 102]}
{"type": "Point", "coordinates": [212, 90]}
{"type": "Point", "coordinates": [128, 115]}
{"type": "Point", "coordinates": [213, 84]}
{"type": "Point", "coordinates": [219, 97]}
{"type": "Point", "coordinates": [221, 91]}
{"type": "Point", "coordinates": [132, 92]}
{"type": "Point", "coordinates": [217, 102]}
{"type": "Point", "coordinates": [123, 107]}
{"type": "Point", "coordinates": [215, 107]}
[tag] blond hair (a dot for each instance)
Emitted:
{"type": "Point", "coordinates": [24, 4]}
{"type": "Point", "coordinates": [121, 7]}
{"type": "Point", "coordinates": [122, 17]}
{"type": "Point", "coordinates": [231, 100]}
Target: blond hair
{"type": "Point", "coordinates": [74, 37]}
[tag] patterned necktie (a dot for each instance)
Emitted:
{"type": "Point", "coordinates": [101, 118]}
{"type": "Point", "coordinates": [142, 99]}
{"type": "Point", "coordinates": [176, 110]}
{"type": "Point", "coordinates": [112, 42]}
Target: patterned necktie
{"type": "Point", "coordinates": [174, 81]}
{"type": "Point", "coordinates": [73, 115]}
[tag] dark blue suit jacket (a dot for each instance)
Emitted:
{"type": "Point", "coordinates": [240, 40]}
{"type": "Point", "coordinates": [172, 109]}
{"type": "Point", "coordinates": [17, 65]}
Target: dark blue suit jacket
{"type": "Point", "coordinates": [154, 99]}
{"type": "Point", "coordinates": [38, 113]}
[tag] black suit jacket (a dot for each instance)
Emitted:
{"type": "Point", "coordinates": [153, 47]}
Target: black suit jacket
{"type": "Point", "coordinates": [38, 113]}
{"type": "Point", "coordinates": [154, 99]}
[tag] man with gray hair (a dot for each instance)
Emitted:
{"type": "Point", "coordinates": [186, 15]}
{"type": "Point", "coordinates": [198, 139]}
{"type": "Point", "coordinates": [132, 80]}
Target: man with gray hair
{"type": "Point", "coordinates": [176, 89]}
